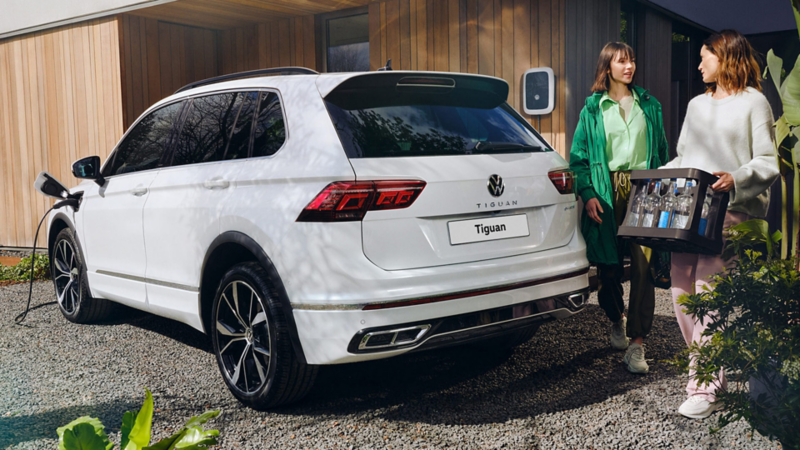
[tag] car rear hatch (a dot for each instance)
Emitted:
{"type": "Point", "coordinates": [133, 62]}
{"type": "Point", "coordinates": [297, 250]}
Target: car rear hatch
{"type": "Point", "coordinates": [492, 183]}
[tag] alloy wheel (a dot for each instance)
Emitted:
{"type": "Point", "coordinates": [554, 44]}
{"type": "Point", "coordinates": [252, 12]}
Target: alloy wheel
{"type": "Point", "coordinates": [67, 277]}
{"type": "Point", "coordinates": [243, 337]}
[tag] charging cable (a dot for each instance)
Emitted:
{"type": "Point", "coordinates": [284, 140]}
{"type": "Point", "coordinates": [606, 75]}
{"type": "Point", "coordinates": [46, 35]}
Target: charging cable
{"type": "Point", "coordinates": [73, 202]}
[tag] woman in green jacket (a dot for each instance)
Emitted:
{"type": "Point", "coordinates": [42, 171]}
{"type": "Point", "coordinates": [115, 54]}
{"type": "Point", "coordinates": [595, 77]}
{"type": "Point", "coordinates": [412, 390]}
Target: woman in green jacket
{"type": "Point", "coordinates": [620, 129]}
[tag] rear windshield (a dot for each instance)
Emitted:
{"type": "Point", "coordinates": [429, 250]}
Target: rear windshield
{"type": "Point", "coordinates": [425, 129]}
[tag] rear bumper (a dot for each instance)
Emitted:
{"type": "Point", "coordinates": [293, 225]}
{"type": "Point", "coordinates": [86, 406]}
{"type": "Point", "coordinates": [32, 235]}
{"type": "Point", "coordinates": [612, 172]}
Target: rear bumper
{"type": "Point", "coordinates": [464, 328]}
{"type": "Point", "coordinates": [333, 336]}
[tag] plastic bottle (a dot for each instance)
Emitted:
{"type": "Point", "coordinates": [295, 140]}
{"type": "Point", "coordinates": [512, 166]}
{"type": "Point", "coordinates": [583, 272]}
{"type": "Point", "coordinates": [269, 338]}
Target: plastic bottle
{"type": "Point", "coordinates": [651, 206]}
{"type": "Point", "coordinates": [667, 207]}
{"type": "Point", "coordinates": [637, 206]}
{"type": "Point", "coordinates": [684, 208]}
{"type": "Point", "coordinates": [701, 230]}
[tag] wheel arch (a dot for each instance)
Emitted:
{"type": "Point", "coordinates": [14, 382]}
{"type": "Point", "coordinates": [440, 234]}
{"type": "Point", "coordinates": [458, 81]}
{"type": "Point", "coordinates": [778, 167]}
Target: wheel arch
{"type": "Point", "coordinates": [233, 247]}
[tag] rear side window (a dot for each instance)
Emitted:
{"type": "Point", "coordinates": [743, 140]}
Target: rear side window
{"type": "Point", "coordinates": [240, 136]}
{"type": "Point", "coordinates": [205, 133]}
{"type": "Point", "coordinates": [269, 131]}
{"type": "Point", "coordinates": [145, 145]}
{"type": "Point", "coordinates": [402, 130]}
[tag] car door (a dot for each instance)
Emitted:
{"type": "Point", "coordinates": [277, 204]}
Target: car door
{"type": "Point", "coordinates": [112, 214]}
{"type": "Point", "coordinates": [181, 217]}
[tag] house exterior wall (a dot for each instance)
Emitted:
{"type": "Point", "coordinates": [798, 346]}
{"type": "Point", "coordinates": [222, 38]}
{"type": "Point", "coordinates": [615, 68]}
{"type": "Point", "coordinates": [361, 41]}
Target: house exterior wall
{"type": "Point", "coordinates": [501, 38]}
{"type": "Point", "coordinates": [61, 101]}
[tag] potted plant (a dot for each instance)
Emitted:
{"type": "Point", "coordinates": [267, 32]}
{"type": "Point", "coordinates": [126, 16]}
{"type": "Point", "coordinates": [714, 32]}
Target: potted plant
{"type": "Point", "coordinates": [754, 334]}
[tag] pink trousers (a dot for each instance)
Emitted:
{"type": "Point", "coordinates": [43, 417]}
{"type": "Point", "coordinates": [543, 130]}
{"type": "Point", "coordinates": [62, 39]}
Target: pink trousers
{"type": "Point", "coordinates": [690, 272]}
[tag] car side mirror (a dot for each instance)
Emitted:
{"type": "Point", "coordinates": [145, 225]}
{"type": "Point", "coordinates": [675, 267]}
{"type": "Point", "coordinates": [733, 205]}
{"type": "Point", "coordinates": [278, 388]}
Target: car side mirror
{"type": "Point", "coordinates": [88, 168]}
{"type": "Point", "coordinates": [49, 186]}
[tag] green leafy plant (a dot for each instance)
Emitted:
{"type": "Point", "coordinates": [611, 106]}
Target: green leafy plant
{"type": "Point", "coordinates": [787, 140]}
{"type": "Point", "coordinates": [753, 335]}
{"type": "Point", "coordinates": [22, 270]}
{"type": "Point", "coordinates": [87, 433]}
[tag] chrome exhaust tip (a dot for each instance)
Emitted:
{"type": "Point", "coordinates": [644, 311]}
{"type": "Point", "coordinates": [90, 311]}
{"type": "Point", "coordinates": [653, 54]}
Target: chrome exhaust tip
{"type": "Point", "coordinates": [393, 338]}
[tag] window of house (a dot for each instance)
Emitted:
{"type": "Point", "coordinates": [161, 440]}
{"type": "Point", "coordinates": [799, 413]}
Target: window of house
{"type": "Point", "coordinates": [347, 42]}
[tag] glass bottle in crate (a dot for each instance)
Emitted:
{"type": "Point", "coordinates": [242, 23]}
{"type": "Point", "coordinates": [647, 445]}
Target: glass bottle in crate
{"type": "Point", "coordinates": [667, 206]}
{"type": "Point", "coordinates": [701, 230]}
{"type": "Point", "coordinates": [637, 206]}
{"type": "Point", "coordinates": [684, 208]}
{"type": "Point", "coordinates": [651, 204]}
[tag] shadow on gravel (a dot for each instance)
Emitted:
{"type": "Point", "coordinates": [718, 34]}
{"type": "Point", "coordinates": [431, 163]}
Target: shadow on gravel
{"type": "Point", "coordinates": [18, 429]}
{"type": "Point", "coordinates": [168, 328]}
{"type": "Point", "coordinates": [567, 365]}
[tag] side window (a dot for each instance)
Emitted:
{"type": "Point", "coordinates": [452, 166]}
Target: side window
{"type": "Point", "coordinates": [269, 131]}
{"type": "Point", "coordinates": [205, 133]}
{"type": "Point", "coordinates": [240, 135]}
{"type": "Point", "coordinates": [145, 145]}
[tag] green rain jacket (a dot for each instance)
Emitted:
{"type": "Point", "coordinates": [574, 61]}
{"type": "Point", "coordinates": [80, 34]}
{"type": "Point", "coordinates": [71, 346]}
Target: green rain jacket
{"type": "Point", "coordinates": [587, 159]}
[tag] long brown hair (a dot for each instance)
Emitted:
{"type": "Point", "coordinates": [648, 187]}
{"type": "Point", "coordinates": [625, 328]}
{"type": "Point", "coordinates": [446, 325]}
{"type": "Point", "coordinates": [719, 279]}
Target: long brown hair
{"type": "Point", "coordinates": [738, 68]}
{"type": "Point", "coordinates": [607, 55]}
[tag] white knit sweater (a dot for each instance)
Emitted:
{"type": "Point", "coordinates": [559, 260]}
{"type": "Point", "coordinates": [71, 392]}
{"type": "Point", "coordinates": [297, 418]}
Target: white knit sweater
{"type": "Point", "coordinates": [732, 135]}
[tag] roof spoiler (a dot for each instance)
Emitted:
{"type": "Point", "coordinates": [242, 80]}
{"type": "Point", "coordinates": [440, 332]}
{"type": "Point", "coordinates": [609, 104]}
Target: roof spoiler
{"type": "Point", "coordinates": [395, 88]}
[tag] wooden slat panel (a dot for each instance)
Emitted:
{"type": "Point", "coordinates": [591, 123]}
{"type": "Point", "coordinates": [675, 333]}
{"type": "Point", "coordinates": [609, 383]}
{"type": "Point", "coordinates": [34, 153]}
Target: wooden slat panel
{"type": "Point", "coordinates": [453, 36]}
{"type": "Point", "coordinates": [309, 47]}
{"type": "Point", "coordinates": [393, 33]}
{"type": "Point", "coordinates": [374, 19]}
{"type": "Point", "coordinates": [62, 101]}
{"type": "Point", "coordinates": [405, 34]}
{"type": "Point", "coordinates": [486, 37]}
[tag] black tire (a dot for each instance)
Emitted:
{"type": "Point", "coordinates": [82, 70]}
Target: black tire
{"type": "Point", "coordinates": [511, 339]}
{"type": "Point", "coordinates": [71, 283]}
{"type": "Point", "coordinates": [253, 350]}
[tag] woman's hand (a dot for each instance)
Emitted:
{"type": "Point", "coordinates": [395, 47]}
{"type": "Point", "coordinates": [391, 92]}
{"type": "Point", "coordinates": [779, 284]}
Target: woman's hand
{"type": "Point", "coordinates": [593, 209]}
{"type": "Point", "coordinates": [725, 182]}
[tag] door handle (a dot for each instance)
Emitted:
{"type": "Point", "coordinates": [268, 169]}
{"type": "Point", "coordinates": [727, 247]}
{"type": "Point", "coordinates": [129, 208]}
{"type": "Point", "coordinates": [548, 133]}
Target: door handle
{"type": "Point", "coordinates": [216, 183]}
{"type": "Point", "coordinates": [139, 191]}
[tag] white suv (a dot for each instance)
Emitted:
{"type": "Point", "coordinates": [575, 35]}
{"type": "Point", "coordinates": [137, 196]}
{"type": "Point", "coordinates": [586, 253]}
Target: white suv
{"type": "Point", "coordinates": [307, 219]}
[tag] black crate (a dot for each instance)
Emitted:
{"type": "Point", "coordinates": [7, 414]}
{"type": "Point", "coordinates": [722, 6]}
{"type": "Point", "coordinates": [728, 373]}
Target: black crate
{"type": "Point", "coordinates": [680, 240]}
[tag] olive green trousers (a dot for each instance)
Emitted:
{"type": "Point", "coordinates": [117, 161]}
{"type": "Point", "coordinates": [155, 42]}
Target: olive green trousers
{"type": "Point", "coordinates": [642, 301]}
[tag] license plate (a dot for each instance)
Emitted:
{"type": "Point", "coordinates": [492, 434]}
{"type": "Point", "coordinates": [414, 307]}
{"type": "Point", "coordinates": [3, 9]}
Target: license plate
{"type": "Point", "coordinates": [488, 229]}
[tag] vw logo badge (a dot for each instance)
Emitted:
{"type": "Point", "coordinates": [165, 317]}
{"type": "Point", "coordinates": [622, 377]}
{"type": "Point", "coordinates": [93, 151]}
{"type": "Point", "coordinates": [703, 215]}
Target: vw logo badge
{"type": "Point", "coordinates": [495, 185]}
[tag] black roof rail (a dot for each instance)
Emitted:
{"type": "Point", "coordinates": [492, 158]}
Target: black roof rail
{"type": "Point", "coordinates": [251, 73]}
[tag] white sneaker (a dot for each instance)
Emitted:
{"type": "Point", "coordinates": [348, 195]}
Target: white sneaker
{"type": "Point", "coordinates": [697, 407]}
{"type": "Point", "coordinates": [634, 359]}
{"type": "Point", "coordinates": [618, 339]}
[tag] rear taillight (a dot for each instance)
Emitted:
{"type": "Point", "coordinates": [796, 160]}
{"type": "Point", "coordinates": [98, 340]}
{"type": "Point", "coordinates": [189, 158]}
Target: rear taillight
{"type": "Point", "coordinates": [563, 180]}
{"type": "Point", "coordinates": [344, 201]}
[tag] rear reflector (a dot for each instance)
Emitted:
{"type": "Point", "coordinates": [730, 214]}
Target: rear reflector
{"type": "Point", "coordinates": [563, 180]}
{"type": "Point", "coordinates": [345, 201]}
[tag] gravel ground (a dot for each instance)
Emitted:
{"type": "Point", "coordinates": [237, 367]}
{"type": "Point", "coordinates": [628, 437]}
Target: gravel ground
{"type": "Point", "coordinates": [564, 389]}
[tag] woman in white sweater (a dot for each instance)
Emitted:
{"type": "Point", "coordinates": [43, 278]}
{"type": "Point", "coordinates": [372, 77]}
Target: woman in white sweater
{"type": "Point", "coordinates": [728, 132]}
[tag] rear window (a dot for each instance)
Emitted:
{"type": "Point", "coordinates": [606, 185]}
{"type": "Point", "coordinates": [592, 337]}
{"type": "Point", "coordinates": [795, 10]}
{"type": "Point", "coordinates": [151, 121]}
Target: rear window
{"type": "Point", "coordinates": [429, 129]}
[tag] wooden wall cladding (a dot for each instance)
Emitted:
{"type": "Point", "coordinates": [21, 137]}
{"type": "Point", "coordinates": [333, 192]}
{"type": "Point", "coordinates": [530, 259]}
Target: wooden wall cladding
{"type": "Point", "coordinates": [590, 25]}
{"type": "Point", "coordinates": [60, 100]}
{"type": "Point", "coordinates": [502, 38]}
{"type": "Point", "coordinates": [159, 58]}
{"type": "Point", "coordinates": [289, 42]}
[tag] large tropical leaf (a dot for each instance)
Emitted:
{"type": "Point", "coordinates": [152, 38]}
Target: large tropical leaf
{"type": "Point", "coordinates": [128, 419]}
{"type": "Point", "coordinates": [191, 436]}
{"type": "Point", "coordinates": [775, 68]}
{"type": "Point", "coordinates": [796, 7]}
{"type": "Point", "coordinates": [139, 436]}
{"type": "Point", "coordinates": [83, 436]}
{"type": "Point", "coordinates": [790, 95]}
{"type": "Point", "coordinates": [83, 433]}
